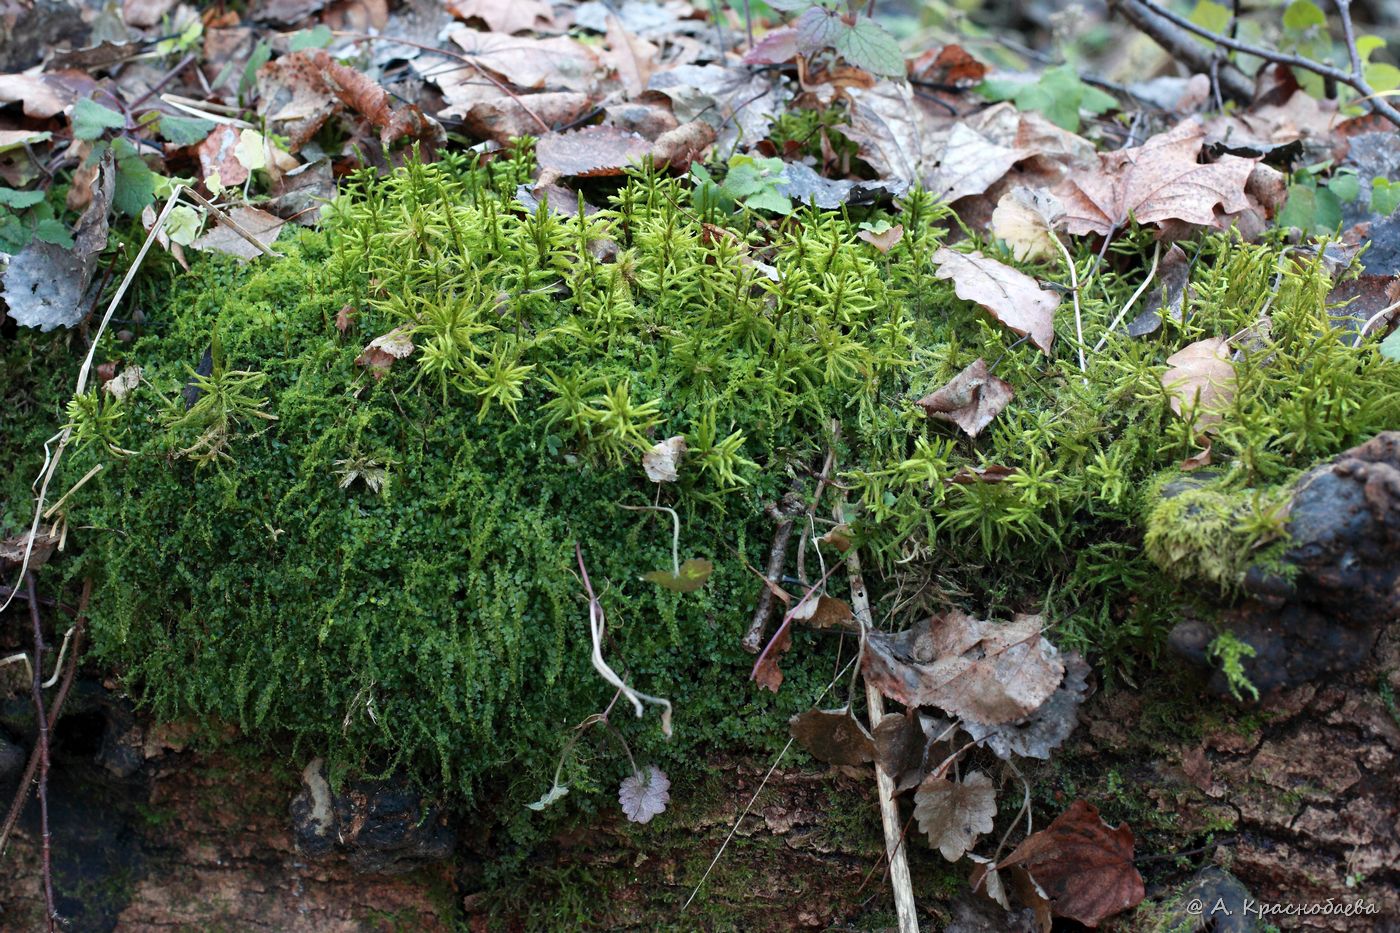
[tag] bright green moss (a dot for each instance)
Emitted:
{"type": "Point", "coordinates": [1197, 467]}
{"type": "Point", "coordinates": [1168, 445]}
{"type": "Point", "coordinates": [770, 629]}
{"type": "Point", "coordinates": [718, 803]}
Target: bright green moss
{"type": "Point", "coordinates": [438, 622]}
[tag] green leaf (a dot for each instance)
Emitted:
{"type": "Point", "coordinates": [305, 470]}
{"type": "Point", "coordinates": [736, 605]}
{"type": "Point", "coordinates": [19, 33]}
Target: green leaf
{"type": "Point", "coordinates": [91, 119]}
{"type": "Point", "coordinates": [869, 45]}
{"type": "Point", "coordinates": [1382, 76]}
{"type": "Point", "coordinates": [182, 226]}
{"type": "Point", "coordinates": [319, 38]}
{"type": "Point", "coordinates": [1385, 196]}
{"type": "Point", "coordinates": [1345, 186]}
{"type": "Point", "coordinates": [769, 200]}
{"type": "Point", "coordinates": [1059, 94]}
{"type": "Point", "coordinates": [20, 199]}
{"type": "Point", "coordinates": [136, 183]}
{"type": "Point", "coordinates": [1390, 346]}
{"type": "Point", "coordinates": [1212, 16]}
{"type": "Point", "coordinates": [1300, 209]}
{"type": "Point", "coordinates": [694, 573]}
{"type": "Point", "coordinates": [1328, 218]}
{"type": "Point", "coordinates": [251, 151]}
{"type": "Point", "coordinates": [184, 131]}
{"type": "Point", "coordinates": [53, 231]}
{"type": "Point", "coordinates": [14, 233]}
{"type": "Point", "coordinates": [262, 54]}
{"type": "Point", "coordinates": [817, 29]}
{"type": "Point", "coordinates": [1302, 14]}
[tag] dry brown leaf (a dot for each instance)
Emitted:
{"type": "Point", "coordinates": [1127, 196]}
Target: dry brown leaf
{"type": "Point", "coordinates": [591, 151]}
{"type": "Point", "coordinates": [1155, 182]}
{"type": "Point", "coordinates": [262, 226]}
{"type": "Point", "coordinates": [556, 63]}
{"type": "Point", "coordinates": [1046, 729]}
{"type": "Point", "coordinates": [740, 105]}
{"type": "Point", "coordinates": [384, 349]}
{"type": "Point", "coordinates": [951, 66]}
{"type": "Point", "coordinates": [823, 612]}
{"type": "Point", "coordinates": [971, 399]}
{"type": "Point", "coordinates": [217, 154]}
{"type": "Point", "coordinates": [885, 240]}
{"type": "Point", "coordinates": [954, 814]}
{"type": "Point", "coordinates": [145, 13]}
{"type": "Point", "coordinates": [1083, 864]}
{"type": "Point", "coordinates": [766, 672]}
{"type": "Point", "coordinates": [633, 57]}
{"type": "Point", "coordinates": [1011, 296]}
{"type": "Point", "coordinates": [1200, 380]}
{"type": "Point", "coordinates": [833, 735]}
{"type": "Point", "coordinates": [502, 118]}
{"type": "Point", "coordinates": [12, 549]}
{"type": "Point", "coordinates": [683, 145]}
{"type": "Point", "coordinates": [984, 672]}
{"type": "Point", "coordinates": [992, 473]}
{"type": "Point", "coordinates": [345, 318]}
{"type": "Point", "coordinates": [504, 16]}
{"type": "Point", "coordinates": [1025, 218]}
{"type": "Point", "coordinates": [662, 461]}
{"type": "Point", "coordinates": [42, 96]}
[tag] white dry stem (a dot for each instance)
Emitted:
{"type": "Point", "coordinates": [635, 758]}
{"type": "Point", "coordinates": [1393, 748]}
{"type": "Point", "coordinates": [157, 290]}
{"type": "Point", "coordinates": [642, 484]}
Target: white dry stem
{"type": "Point", "coordinates": [595, 624]}
{"type": "Point", "coordinates": [1074, 292]}
{"type": "Point", "coordinates": [1372, 321]}
{"type": "Point", "coordinates": [1151, 273]}
{"type": "Point", "coordinates": [53, 457]}
{"type": "Point", "coordinates": [675, 531]}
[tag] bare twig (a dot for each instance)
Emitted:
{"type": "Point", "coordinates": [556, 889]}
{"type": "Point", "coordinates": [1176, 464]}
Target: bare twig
{"type": "Point", "coordinates": [785, 511]}
{"type": "Point", "coordinates": [1147, 15]}
{"type": "Point", "coordinates": [1182, 47]}
{"type": "Point", "coordinates": [41, 719]}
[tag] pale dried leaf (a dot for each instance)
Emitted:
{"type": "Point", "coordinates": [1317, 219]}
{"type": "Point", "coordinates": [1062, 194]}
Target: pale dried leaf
{"type": "Point", "coordinates": [1011, 296]}
{"type": "Point", "coordinates": [381, 352]}
{"type": "Point", "coordinates": [591, 151]}
{"type": "Point", "coordinates": [505, 16]}
{"type": "Point", "coordinates": [555, 63]}
{"type": "Point", "coordinates": [122, 383]}
{"type": "Point", "coordinates": [971, 399]}
{"type": "Point", "coordinates": [1200, 380]}
{"type": "Point", "coordinates": [661, 462]}
{"type": "Point", "coordinates": [1046, 729]}
{"type": "Point", "coordinates": [259, 224]}
{"type": "Point", "coordinates": [954, 814]}
{"type": "Point", "coordinates": [883, 240]}
{"type": "Point", "coordinates": [1025, 218]}
{"type": "Point", "coordinates": [645, 795]}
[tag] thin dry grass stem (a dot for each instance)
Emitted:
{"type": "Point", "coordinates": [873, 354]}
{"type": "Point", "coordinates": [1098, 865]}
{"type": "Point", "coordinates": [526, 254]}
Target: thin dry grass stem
{"type": "Point", "coordinates": [1151, 274]}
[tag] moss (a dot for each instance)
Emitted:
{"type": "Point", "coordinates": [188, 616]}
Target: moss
{"type": "Point", "coordinates": [1216, 531]}
{"type": "Point", "coordinates": [438, 622]}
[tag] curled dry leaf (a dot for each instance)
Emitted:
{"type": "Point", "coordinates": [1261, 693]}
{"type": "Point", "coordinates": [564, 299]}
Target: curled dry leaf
{"type": "Point", "coordinates": [504, 16]}
{"type": "Point", "coordinates": [823, 612]}
{"type": "Point", "coordinates": [661, 462]}
{"type": "Point", "coordinates": [383, 350]}
{"type": "Point", "coordinates": [345, 318]}
{"type": "Point", "coordinates": [983, 672]}
{"type": "Point", "coordinates": [1155, 182]}
{"type": "Point", "coordinates": [971, 399]}
{"type": "Point", "coordinates": [12, 549]}
{"type": "Point", "coordinates": [555, 63]}
{"type": "Point", "coordinates": [737, 103]}
{"type": "Point", "coordinates": [766, 672]}
{"type": "Point", "coordinates": [1011, 296]}
{"type": "Point", "coordinates": [1200, 380]}
{"type": "Point", "coordinates": [1083, 865]}
{"type": "Point", "coordinates": [645, 795]}
{"type": "Point", "coordinates": [1025, 218]}
{"type": "Point", "coordinates": [1046, 729]}
{"type": "Point", "coordinates": [992, 473]}
{"type": "Point", "coordinates": [833, 735]}
{"type": "Point", "coordinates": [1169, 298]}
{"type": "Point", "coordinates": [883, 240]}
{"type": "Point", "coordinates": [900, 743]}
{"type": "Point", "coordinates": [954, 814]}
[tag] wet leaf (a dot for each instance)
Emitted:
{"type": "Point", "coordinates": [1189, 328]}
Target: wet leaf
{"type": "Point", "coordinates": [971, 399]}
{"type": "Point", "coordinates": [1046, 729]}
{"type": "Point", "coordinates": [1083, 865]}
{"type": "Point", "coordinates": [1200, 379]}
{"type": "Point", "coordinates": [645, 795]}
{"type": "Point", "coordinates": [694, 573]}
{"type": "Point", "coordinates": [1011, 296]}
{"type": "Point", "coordinates": [833, 735]}
{"type": "Point", "coordinates": [955, 814]}
{"type": "Point", "coordinates": [978, 671]}
{"type": "Point", "coordinates": [1158, 181]}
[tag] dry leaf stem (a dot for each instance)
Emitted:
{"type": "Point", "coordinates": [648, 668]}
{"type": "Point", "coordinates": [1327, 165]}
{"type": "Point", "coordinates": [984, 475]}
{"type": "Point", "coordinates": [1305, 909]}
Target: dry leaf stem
{"type": "Point", "coordinates": [1074, 293]}
{"type": "Point", "coordinates": [1151, 274]}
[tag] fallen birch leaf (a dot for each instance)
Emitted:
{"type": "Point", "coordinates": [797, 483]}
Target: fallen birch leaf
{"type": "Point", "coordinates": [833, 735]}
{"type": "Point", "coordinates": [384, 349]}
{"type": "Point", "coordinates": [1083, 865]}
{"type": "Point", "coordinates": [1155, 182]}
{"type": "Point", "coordinates": [822, 612]}
{"type": "Point", "coordinates": [1200, 380]}
{"type": "Point", "coordinates": [1046, 729]}
{"type": "Point", "coordinates": [984, 672]}
{"type": "Point", "coordinates": [971, 399]}
{"type": "Point", "coordinates": [1011, 296]}
{"type": "Point", "coordinates": [954, 814]}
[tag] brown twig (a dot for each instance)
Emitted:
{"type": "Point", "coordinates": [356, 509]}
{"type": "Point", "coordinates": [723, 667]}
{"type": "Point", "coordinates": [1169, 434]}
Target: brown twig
{"type": "Point", "coordinates": [41, 718]}
{"type": "Point", "coordinates": [785, 511]}
{"type": "Point", "coordinates": [1148, 16]}
{"type": "Point", "coordinates": [1181, 46]}
{"type": "Point", "coordinates": [27, 781]}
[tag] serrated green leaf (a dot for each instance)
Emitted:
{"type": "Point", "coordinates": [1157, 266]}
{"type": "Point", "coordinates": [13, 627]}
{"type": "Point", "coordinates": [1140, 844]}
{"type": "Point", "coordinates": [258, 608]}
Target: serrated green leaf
{"type": "Point", "coordinates": [869, 45]}
{"type": "Point", "coordinates": [53, 231]}
{"type": "Point", "coordinates": [769, 200]}
{"type": "Point", "coordinates": [694, 573]}
{"type": "Point", "coordinates": [817, 29]}
{"type": "Point", "coordinates": [20, 199]}
{"type": "Point", "coordinates": [135, 182]}
{"type": "Point", "coordinates": [184, 131]}
{"type": "Point", "coordinates": [14, 233]}
{"type": "Point", "coordinates": [91, 119]}
{"type": "Point", "coordinates": [262, 54]}
{"type": "Point", "coordinates": [1302, 14]}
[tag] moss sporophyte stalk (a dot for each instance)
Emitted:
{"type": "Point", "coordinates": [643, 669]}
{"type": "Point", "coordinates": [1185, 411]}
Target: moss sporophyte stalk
{"type": "Point", "coordinates": [290, 541]}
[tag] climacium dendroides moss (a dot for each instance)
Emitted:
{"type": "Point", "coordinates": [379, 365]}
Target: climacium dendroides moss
{"type": "Point", "coordinates": [386, 572]}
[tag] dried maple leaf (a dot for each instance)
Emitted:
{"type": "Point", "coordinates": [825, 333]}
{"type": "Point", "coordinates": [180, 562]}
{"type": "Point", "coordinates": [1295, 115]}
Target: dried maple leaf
{"type": "Point", "coordinates": [1201, 379]}
{"type": "Point", "coordinates": [971, 399]}
{"type": "Point", "coordinates": [1084, 865]}
{"type": "Point", "coordinates": [1046, 729]}
{"type": "Point", "coordinates": [383, 350]}
{"type": "Point", "coordinates": [984, 672]}
{"type": "Point", "coordinates": [1011, 296]}
{"type": "Point", "coordinates": [1155, 182]}
{"type": "Point", "coordinates": [1025, 218]}
{"type": "Point", "coordinates": [555, 63]}
{"type": "Point", "coordinates": [644, 794]}
{"type": "Point", "coordinates": [661, 462]}
{"type": "Point", "coordinates": [953, 814]}
{"type": "Point", "coordinates": [833, 735]}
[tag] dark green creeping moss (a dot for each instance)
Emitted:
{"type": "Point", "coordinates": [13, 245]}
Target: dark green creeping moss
{"type": "Point", "coordinates": [439, 623]}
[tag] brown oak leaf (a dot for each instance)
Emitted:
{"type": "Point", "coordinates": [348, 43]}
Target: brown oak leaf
{"type": "Point", "coordinates": [1011, 296]}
